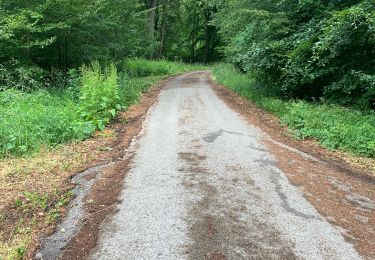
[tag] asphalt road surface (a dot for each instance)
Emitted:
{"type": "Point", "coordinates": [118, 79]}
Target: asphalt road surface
{"type": "Point", "coordinates": [202, 185]}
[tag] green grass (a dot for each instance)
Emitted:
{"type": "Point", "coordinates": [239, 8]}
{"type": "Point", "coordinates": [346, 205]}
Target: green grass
{"type": "Point", "coordinates": [333, 126]}
{"type": "Point", "coordinates": [46, 118]}
{"type": "Point", "coordinates": [141, 67]}
{"type": "Point", "coordinates": [30, 120]}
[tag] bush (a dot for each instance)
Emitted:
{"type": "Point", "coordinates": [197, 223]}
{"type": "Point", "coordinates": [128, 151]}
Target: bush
{"type": "Point", "coordinates": [26, 78]}
{"type": "Point", "coordinates": [131, 88]}
{"type": "Point", "coordinates": [307, 50]}
{"type": "Point", "coordinates": [99, 95]}
{"type": "Point", "coordinates": [335, 127]}
{"type": "Point", "coordinates": [144, 68]}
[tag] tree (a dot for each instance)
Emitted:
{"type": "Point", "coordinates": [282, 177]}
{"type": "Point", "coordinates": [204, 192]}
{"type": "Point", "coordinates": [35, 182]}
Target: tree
{"type": "Point", "coordinates": [304, 49]}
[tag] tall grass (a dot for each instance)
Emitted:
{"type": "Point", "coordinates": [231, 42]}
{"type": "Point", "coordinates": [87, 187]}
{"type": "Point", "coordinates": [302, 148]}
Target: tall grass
{"type": "Point", "coordinates": [333, 126]}
{"type": "Point", "coordinates": [29, 121]}
{"type": "Point", "coordinates": [138, 67]}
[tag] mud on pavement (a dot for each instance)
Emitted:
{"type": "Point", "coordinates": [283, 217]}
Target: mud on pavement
{"type": "Point", "coordinates": [341, 191]}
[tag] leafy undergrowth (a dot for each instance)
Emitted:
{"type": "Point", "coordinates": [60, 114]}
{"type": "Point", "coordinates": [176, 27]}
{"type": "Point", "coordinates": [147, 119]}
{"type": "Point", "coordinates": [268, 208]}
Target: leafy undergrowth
{"type": "Point", "coordinates": [47, 118]}
{"type": "Point", "coordinates": [30, 120]}
{"type": "Point", "coordinates": [335, 127]}
{"type": "Point", "coordinates": [37, 210]}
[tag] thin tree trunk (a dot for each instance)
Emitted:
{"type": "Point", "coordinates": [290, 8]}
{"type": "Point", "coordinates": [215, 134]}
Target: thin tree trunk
{"type": "Point", "coordinates": [162, 30]}
{"type": "Point", "coordinates": [66, 52]}
{"type": "Point", "coordinates": [59, 53]}
{"type": "Point", "coordinates": [206, 36]}
{"type": "Point", "coordinates": [193, 37]}
{"type": "Point", "coordinates": [151, 23]}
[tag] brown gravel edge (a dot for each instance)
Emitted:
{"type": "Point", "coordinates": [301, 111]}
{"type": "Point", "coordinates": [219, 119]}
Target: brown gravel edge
{"type": "Point", "coordinates": [357, 166]}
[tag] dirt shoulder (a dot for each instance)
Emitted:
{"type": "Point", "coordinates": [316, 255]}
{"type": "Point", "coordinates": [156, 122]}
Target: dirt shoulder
{"type": "Point", "coordinates": [35, 191]}
{"type": "Point", "coordinates": [340, 187]}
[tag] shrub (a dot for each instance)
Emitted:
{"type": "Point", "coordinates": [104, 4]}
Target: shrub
{"type": "Point", "coordinates": [99, 95]}
{"type": "Point", "coordinates": [307, 50]}
{"type": "Point", "coordinates": [143, 68]}
{"type": "Point", "coordinates": [26, 78]}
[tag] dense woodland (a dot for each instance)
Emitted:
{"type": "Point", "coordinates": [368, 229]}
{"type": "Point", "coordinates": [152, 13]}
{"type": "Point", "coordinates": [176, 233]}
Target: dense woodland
{"type": "Point", "coordinates": [63, 34]}
{"type": "Point", "coordinates": [304, 49]}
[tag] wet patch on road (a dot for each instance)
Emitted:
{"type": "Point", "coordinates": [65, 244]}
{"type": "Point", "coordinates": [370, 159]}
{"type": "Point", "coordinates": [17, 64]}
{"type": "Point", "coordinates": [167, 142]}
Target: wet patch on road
{"type": "Point", "coordinates": [221, 227]}
{"type": "Point", "coordinates": [211, 137]}
{"type": "Point", "coordinates": [275, 178]}
{"type": "Point", "coordinates": [221, 222]}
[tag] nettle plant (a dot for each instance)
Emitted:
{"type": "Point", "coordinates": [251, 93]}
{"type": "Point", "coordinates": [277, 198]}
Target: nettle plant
{"type": "Point", "coordinates": [99, 95]}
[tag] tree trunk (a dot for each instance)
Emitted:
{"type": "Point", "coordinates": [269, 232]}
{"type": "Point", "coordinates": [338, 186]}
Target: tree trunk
{"type": "Point", "coordinates": [59, 54]}
{"type": "Point", "coordinates": [193, 36]}
{"type": "Point", "coordinates": [206, 36]}
{"type": "Point", "coordinates": [162, 30]}
{"type": "Point", "coordinates": [151, 23]}
{"type": "Point", "coordinates": [66, 52]}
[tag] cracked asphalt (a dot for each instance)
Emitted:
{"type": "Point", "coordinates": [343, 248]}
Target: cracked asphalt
{"type": "Point", "coordinates": [203, 185]}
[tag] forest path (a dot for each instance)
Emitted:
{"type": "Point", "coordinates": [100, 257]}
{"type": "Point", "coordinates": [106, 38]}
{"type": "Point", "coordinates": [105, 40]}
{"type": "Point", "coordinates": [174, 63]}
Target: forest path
{"type": "Point", "coordinates": [203, 185]}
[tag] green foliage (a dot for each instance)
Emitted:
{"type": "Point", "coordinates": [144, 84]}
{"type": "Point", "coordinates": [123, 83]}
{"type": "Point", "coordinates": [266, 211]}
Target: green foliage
{"type": "Point", "coordinates": [66, 33]}
{"type": "Point", "coordinates": [61, 200]}
{"type": "Point", "coordinates": [137, 67]}
{"type": "Point", "coordinates": [30, 120]}
{"type": "Point", "coordinates": [52, 203]}
{"type": "Point", "coordinates": [20, 252]}
{"type": "Point", "coordinates": [143, 68]}
{"type": "Point", "coordinates": [26, 78]}
{"type": "Point", "coordinates": [39, 36]}
{"type": "Point", "coordinates": [72, 111]}
{"type": "Point", "coordinates": [33, 201]}
{"type": "Point", "coordinates": [333, 126]}
{"type": "Point", "coordinates": [310, 50]}
{"type": "Point", "coordinates": [131, 88]}
{"type": "Point", "coordinates": [99, 95]}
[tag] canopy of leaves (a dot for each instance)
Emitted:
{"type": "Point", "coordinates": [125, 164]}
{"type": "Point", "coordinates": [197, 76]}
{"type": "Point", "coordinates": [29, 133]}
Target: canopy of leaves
{"type": "Point", "coordinates": [304, 49]}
